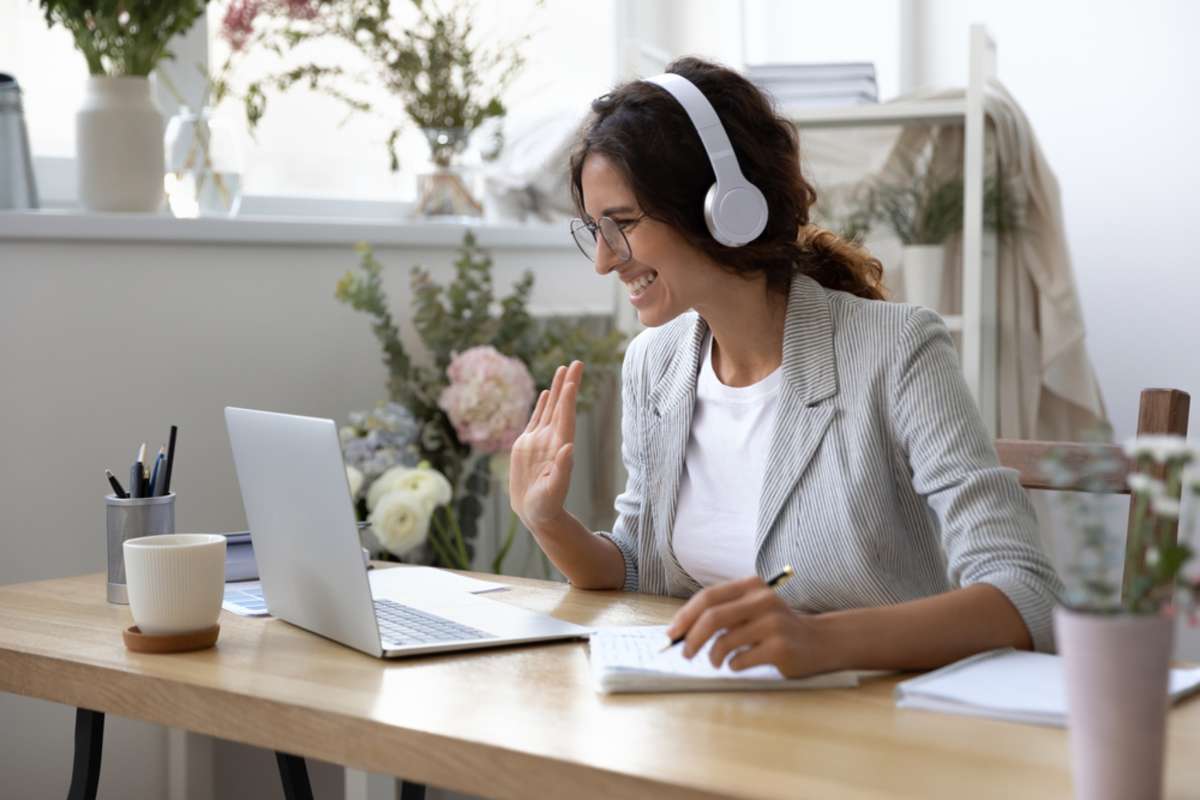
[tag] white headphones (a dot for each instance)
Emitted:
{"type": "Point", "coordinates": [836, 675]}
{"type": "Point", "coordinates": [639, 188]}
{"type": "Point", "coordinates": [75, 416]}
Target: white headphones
{"type": "Point", "coordinates": [734, 209]}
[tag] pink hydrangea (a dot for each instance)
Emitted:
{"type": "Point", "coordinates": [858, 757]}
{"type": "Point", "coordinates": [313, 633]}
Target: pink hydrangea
{"type": "Point", "coordinates": [488, 399]}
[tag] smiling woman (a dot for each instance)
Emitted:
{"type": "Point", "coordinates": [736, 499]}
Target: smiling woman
{"type": "Point", "coordinates": [776, 413]}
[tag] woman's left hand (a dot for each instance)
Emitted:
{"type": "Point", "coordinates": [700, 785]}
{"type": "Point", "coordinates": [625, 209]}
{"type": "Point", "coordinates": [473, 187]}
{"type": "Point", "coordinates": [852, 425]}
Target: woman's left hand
{"type": "Point", "coordinates": [752, 618]}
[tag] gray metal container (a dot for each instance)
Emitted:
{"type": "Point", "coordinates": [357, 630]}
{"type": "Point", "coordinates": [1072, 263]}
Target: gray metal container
{"type": "Point", "coordinates": [17, 186]}
{"type": "Point", "coordinates": [129, 519]}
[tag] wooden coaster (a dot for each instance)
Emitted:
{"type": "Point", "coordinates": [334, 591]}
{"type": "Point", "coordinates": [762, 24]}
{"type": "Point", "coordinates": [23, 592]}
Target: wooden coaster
{"type": "Point", "coordinates": [139, 642]}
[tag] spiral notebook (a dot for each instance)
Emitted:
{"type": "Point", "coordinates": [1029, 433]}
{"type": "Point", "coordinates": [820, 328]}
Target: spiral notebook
{"type": "Point", "coordinates": [628, 659]}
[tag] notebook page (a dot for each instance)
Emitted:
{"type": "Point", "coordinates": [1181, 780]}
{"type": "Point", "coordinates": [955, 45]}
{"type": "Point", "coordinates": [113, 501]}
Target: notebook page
{"type": "Point", "coordinates": [637, 649]}
{"type": "Point", "coordinates": [628, 659]}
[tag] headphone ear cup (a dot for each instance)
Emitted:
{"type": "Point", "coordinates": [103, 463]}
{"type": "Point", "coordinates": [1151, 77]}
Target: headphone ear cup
{"type": "Point", "coordinates": [737, 215]}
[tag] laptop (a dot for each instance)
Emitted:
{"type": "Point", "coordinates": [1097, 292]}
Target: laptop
{"type": "Point", "coordinates": [305, 536]}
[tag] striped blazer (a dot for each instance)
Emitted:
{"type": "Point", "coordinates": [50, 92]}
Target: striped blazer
{"type": "Point", "coordinates": [881, 485]}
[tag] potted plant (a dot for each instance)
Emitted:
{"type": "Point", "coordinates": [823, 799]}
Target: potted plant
{"type": "Point", "coordinates": [444, 79]}
{"type": "Point", "coordinates": [924, 213]}
{"type": "Point", "coordinates": [119, 129]}
{"type": "Point", "coordinates": [1116, 637]}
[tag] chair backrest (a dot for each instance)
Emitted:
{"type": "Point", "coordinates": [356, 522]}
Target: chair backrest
{"type": "Point", "coordinates": [1161, 411]}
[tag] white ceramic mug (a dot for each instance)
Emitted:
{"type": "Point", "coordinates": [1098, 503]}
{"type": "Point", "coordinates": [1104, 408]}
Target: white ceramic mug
{"type": "Point", "coordinates": [175, 581]}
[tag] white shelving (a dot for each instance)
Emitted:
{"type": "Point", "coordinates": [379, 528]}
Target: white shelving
{"type": "Point", "coordinates": [879, 114]}
{"type": "Point", "coordinates": [978, 322]}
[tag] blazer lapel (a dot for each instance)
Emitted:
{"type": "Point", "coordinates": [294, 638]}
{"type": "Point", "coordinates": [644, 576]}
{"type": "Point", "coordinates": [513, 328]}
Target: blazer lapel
{"type": "Point", "coordinates": [809, 377]}
{"type": "Point", "coordinates": [673, 400]}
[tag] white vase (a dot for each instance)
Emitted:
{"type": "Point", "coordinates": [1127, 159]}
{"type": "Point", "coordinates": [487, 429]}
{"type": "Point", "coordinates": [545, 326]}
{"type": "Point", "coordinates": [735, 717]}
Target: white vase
{"type": "Point", "coordinates": [1116, 671]}
{"type": "Point", "coordinates": [119, 146]}
{"type": "Point", "coordinates": [924, 266]}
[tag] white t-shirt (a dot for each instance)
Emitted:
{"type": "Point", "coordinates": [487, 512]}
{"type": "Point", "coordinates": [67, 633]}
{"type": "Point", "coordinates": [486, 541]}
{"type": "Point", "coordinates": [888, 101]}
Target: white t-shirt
{"type": "Point", "coordinates": [717, 512]}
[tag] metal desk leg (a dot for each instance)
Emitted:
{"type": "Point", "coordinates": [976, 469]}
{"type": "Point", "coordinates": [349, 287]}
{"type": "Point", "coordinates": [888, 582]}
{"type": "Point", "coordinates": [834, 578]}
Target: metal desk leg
{"type": "Point", "coordinates": [412, 791]}
{"type": "Point", "coordinates": [89, 741]}
{"type": "Point", "coordinates": [294, 775]}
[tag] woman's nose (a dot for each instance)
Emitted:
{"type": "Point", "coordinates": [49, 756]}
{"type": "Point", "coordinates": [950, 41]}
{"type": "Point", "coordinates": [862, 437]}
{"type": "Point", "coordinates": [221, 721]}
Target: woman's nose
{"type": "Point", "coordinates": [606, 259]}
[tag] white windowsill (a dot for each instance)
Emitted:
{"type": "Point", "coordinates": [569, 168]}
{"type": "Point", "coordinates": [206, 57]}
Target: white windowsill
{"type": "Point", "coordinates": [47, 225]}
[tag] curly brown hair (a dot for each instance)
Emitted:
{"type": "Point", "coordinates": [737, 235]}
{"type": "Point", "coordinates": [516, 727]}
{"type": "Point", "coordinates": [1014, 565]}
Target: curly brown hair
{"type": "Point", "coordinates": [648, 136]}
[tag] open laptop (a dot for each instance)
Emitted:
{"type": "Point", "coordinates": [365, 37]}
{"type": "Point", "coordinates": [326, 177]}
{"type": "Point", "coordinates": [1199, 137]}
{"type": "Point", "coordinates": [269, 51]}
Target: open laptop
{"type": "Point", "coordinates": [302, 523]}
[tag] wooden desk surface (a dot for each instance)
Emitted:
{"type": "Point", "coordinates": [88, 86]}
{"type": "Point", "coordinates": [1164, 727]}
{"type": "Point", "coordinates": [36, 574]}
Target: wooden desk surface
{"type": "Point", "coordinates": [524, 722]}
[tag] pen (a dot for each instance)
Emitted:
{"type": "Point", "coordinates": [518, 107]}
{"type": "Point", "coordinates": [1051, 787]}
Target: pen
{"type": "Point", "coordinates": [776, 580]}
{"type": "Point", "coordinates": [118, 490]}
{"type": "Point", "coordinates": [166, 489]}
{"type": "Point", "coordinates": [136, 473]}
{"type": "Point", "coordinates": [156, 473]}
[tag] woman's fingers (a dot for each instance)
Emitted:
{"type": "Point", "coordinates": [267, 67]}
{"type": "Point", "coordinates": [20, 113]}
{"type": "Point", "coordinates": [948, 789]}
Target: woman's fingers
{"type": "Point", "coordinates": [700, 602]}
{"type": "Point", "coordinates": [556, 385]}
{"type": "Point", "coordinates": [563, 415]}
{"type": "Point", "coordinates": [753, 632]}
{"type": "Point", "coordinates": [539, 409]}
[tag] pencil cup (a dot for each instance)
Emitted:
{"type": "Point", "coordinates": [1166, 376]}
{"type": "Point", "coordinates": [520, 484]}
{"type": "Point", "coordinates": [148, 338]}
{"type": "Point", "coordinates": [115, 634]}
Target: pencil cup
{"type": "Point", "coordinates": [133, 518]}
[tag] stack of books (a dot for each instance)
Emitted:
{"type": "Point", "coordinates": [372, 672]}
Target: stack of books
{"type": "Point", "coordinates": [816, 85]}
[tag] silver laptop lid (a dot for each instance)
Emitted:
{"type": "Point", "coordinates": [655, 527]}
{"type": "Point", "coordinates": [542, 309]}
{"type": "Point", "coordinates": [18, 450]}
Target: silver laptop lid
{"type": "Point", "coordinates": [302, 524]}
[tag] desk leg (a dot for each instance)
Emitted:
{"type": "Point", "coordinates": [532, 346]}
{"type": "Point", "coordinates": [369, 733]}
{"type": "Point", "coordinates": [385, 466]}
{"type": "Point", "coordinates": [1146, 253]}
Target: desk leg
{"type": "Point", "coordinates": [294, 774]}
{"type": "Point", "coordinates": [89, 741]}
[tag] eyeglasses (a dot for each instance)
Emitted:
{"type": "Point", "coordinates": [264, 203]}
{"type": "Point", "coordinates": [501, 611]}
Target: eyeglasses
{"type": "Point", "coordinates": [613, 232]}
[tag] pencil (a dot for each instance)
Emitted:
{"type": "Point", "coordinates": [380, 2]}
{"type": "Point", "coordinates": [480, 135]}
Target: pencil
{"type": "Point", "coordinates": [775, 580]}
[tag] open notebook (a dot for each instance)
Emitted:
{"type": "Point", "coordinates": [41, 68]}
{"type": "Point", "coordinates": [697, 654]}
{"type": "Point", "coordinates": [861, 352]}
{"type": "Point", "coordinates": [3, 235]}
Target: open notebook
{"type": "Point", "coordinates": [1010, 685]}
{"type": "Point", "coordinates": [627, 659]}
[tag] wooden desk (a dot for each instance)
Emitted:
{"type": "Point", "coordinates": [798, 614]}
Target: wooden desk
{"type": "Point", "coordinates": [524, 722]}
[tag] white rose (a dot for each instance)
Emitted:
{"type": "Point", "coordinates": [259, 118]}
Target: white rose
{"type": "Point", "coordinates": [355, 479]}
{"type": "Point", "coordinates": [400, 521]}
{"type": "Point", "coordinates": [424, 481]}
{"type": "Point", "coordinates": [384, 484]}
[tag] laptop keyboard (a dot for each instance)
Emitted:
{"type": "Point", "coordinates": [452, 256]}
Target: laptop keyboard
{"type": "Point", "coordinates": [402, 625]}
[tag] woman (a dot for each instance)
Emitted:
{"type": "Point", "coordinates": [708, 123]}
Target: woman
{"type": "Point", "coordinates": [776, 412]}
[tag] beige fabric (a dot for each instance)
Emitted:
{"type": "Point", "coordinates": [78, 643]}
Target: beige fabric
{"type": "Point", "coordinates": [1046, 386]}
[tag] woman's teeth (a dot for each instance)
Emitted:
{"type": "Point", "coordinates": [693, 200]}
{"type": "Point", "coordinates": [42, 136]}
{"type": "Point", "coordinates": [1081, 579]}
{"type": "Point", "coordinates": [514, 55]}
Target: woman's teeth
{"type": "Point", "coordinates": [639, 285]}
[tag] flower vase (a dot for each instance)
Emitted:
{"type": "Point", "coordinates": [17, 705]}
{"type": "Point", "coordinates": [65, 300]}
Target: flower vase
{"type": "Point", "coordinates": [204, 166]}
{"type": "Point", "coordinates": [1116, 671]}
{"type": "Point", "coordinates": [443, 192]}
{"type": "Point", "coordinates": [119, 146]}
{"type": "Point", "coordinates": [924, 266]}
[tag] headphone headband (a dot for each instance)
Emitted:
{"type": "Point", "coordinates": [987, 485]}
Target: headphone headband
{"type": "Point", "coordinates": [734, 209]}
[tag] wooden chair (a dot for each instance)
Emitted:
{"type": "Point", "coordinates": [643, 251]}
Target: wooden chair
{"type": "Point", "coordinates": [1161, 411]}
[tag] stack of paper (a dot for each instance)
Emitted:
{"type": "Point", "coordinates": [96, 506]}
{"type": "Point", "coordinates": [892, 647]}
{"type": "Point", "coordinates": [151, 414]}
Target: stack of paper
{"type": "Point", "coordinates": [1009, 685]}
{"type": "Point", "coordinates": [816, 85]}
{"type": "Point", "coordinates": [628, 659]}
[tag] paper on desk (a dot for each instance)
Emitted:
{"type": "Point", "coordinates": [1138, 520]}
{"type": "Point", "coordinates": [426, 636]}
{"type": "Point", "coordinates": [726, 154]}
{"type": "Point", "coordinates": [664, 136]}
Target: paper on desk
{"type": "Point", "coordinates": [408, 579]}
{"type": "Point", "coordinates": [1010, 685]}
{"type": "Point", "coordinates": [245, 598]}
{"type": "Point", "coordinates": [628, 659]}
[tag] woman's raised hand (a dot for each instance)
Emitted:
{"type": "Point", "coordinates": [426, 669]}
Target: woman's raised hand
{"type": "Point", "coordinates": [540, 470]}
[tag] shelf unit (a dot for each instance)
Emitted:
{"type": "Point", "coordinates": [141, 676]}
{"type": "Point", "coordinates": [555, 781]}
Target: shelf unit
{"type": "Point", "coordinates": [978, 322]}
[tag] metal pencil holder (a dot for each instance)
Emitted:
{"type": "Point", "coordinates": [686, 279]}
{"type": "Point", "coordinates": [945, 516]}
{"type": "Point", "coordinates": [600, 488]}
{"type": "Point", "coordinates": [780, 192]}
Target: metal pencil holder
{"type": "Point", "coordinates": [129, 519]}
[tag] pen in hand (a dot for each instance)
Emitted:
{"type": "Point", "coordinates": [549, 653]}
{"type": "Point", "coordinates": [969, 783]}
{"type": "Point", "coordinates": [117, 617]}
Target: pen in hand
{"type": "Point", "coordinates": [775, 580]}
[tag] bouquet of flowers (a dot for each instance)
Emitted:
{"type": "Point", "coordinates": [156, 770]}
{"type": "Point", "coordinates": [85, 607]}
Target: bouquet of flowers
{"type": "Point", "coordinates": [453, 417]}
{"type": "Point", "coordinates": [1164, 574]}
